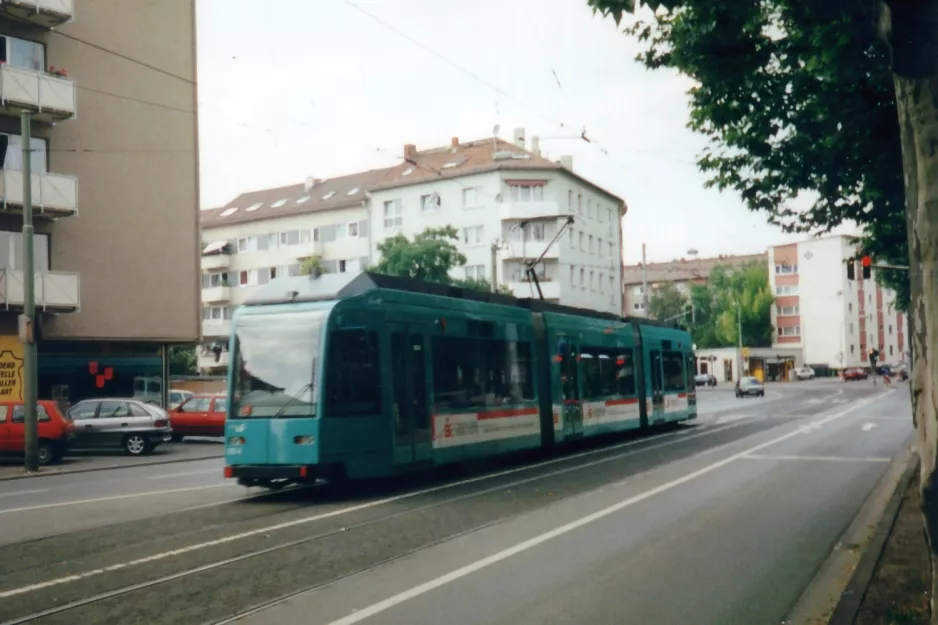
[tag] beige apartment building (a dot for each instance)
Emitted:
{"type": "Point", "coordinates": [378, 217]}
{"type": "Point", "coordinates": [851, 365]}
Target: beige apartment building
{"type": "Point", "coordinates": [111, 86]}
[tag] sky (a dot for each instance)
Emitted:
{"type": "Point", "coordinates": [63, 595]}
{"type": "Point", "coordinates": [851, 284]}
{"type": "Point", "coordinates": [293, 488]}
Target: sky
{"type": "Point", "coordinates": [297, 88]}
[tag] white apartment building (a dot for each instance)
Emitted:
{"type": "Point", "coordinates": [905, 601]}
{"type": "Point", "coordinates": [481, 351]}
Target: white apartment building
{"type": "Point", "coordinates": [495, 193]}
{"type": "Point", "coordinates": [833, 319]}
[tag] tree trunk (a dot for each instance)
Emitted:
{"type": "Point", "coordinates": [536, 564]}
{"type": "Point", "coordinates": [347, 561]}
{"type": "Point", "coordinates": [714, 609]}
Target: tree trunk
{"type": "Point", "coordinates": [917, 100]}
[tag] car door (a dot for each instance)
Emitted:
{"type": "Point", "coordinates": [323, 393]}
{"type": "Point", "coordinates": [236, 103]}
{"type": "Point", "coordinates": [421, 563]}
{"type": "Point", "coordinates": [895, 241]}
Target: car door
{"type": "Point", "coordinates": [113, 422]}
{"type": "Point", "coordinates": [216, 417]}
{"type": "Point", "coordinates": [84, 415]}
{"type": "Point", "coordinates": [191, 417]}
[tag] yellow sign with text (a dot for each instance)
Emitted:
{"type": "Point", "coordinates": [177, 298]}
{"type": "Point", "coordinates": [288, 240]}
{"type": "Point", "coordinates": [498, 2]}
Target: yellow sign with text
{"type": "Point", "coordinates": [11, 369]}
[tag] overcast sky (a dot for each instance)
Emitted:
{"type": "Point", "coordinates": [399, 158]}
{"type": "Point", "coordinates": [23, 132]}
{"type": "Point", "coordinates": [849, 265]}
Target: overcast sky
{"type": "Point", "coordinates": [296, 88]}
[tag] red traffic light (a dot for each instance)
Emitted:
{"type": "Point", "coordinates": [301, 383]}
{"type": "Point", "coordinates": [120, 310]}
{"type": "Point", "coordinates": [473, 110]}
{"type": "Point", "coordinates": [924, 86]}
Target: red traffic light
{"type": "Point", "coordinates": [866, 261]}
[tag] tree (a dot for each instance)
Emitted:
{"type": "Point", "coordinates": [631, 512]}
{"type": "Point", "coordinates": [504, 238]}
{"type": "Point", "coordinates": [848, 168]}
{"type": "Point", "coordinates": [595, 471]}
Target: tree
{"type": "Point", "coordinates": [429, 257]}
{"type": "Point", "coordinates": [312, 266]}
{"type": "Point", "coordinates": [667, 303]}
{"type": "Point", "coordinates": [798, 96]}
{"type": "Point", "coordinates": [796, 99]}
{"type": "Point", "coordinates": [482, 285]}
{"type": "Point", "coordinates": [749, 288]}
{"type": "Point", "coordinates": [182, 360]}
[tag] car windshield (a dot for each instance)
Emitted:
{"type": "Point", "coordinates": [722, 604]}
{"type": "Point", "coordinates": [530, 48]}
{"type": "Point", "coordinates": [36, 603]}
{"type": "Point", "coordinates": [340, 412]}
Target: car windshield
{"type": "Point", "coordinates": [276, 355]}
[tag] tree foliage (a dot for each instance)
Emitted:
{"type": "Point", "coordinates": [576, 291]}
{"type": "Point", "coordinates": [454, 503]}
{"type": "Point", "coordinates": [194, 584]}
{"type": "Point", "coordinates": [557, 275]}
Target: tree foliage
{"type": "Point", "coordinates": [667, 302]}
{"type": "Point", "coordinates": [182, 360]}
{"type": "Point", "coordinates": [794, 97]}
{"type": "Point", "coordinates": [312, 266]}
{"type": "Point", "coordinates": [715, 322]}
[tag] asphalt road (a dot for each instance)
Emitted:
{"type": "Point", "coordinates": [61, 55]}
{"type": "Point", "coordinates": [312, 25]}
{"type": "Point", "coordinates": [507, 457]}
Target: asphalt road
{"type": "Point", "coordinates": [723, 522]}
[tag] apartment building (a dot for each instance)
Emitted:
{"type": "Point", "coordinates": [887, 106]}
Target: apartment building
{"type": "Point", "coordinates": [681, 272]}
{"type": "Point", "coordinates": [500, 195]}
{"type": "Point", "coordinates": [834, 320]}
{"type": "Point", "coordinates": [495, 193]}
{"type": "Point", "coordinates": [114, 180]}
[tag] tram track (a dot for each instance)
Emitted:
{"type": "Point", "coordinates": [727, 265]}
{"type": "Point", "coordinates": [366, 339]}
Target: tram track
{"type": "Point", "coordinates": [132, 592]}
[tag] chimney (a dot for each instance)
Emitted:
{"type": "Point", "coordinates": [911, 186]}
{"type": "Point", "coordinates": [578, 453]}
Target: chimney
{"type": "Point", "coordinates": [519, 137]}
{"type": "Point", "coordinates": [567, 162]}
{"type": "Point", "coordinates": [455, 142]}
{"type": "Point", "coordinates": [410, 150]}
{"type": "Point", "coordinates": [536, 145]}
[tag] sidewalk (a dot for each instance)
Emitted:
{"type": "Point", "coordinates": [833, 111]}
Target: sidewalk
{"type": "Point", "coordinates": [87, 461]}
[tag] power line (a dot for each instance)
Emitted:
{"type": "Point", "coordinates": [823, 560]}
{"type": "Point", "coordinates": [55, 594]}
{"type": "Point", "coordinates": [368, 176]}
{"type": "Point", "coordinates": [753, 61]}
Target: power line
{"type": "Point", "coordinates": [133, 99]}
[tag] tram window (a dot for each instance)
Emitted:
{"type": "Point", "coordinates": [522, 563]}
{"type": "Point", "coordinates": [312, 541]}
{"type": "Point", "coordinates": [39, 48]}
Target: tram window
{"type": "Point", "coordinates": [474, 373]}
{"type": "Point", "coordinates": [673, 365]}
{"type": "Point", "coordinates": [689, 370]}
{"type": "Point", "coordinates": [591, 375]}
{"type": "Point", "coordinates": [353, 374]}
{"type": "Point", "coordinates": [625, 372]}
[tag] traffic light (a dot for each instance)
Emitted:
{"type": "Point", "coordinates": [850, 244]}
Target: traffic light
{"type": "Point", "coordinates": [874, 356]}
{"type": "Point", "coordinates": [867, 263]}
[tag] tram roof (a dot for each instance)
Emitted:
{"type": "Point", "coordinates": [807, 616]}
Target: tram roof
{"type": "Point", "coordinates": [337, 286]}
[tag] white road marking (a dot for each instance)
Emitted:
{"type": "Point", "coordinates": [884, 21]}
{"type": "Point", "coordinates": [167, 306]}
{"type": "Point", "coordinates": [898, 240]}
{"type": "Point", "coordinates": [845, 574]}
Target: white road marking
{"type": "Point", "coordinates": [433, 584]}
{"type": "Point", "coordinates": [732, 418]}
{"type": "Point", "coordinates": [811, 427]}
{"type": "Point", "coordinates": [216, 470]}
{"type": "Point", "coordinates": [868, 426]}
{"type": "Point", "coordinates": [680, 437]}
{"type": "Point", "coordinates": [24, 492]}
{"type": "Point", "coordinates": [78, 502]}
{"type": "Point", "coordinates": [816, 458]}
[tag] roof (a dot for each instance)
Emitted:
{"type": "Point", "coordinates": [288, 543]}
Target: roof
{"type": "Point", "coordinates": [456, 161]}
{"type": "Point", "coordinates": [683, 269]}
{"type": "Point", "coordinates": [330, 194]}
{"type": "Point", "coordinates": [474, 157]}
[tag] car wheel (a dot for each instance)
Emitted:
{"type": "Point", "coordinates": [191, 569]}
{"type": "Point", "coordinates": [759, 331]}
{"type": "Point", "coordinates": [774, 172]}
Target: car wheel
{"type": "Point", "coordinates": [137, 444]}
{"type": "Point", "coordinates": [46, 453]}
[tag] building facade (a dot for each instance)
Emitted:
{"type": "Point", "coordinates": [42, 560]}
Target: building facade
{"type": "Point", "coordinates": [836, 321]}
{"type": "Point", "coordinates": [507, 204]}
{"type": "Point", "coordinates": [682, 273]}
{"type": "Point", "coordinates": [114, 180]}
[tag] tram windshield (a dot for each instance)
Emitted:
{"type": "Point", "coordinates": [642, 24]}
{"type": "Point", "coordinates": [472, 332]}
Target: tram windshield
{"type": "Point", "coordinates": [276, 359]}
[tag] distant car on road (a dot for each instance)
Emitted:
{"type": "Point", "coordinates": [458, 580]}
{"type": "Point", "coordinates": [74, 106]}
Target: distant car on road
{"type": "Point", "coordinates": [854, 373]}
{"type": "Point", "coordinates": [705, 379]}
{"type": "Point", "coordinates": [749, 386]}
{"type": "Point", "coordinates": [135, 425]}
{"type": "Point", "coordinates": [804, 373]}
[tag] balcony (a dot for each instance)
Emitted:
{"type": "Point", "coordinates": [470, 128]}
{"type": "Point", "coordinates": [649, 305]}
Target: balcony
{"type": "Point", "coordinates": [216, 328]}
{"type": "Point", "coordinates": [207, 360]}
{"type": "Point", "coordinates": [216, 294]}
{"type": "Point", "coordinates": [551, 290]}
{"type": "Point", "coordinates": [50, 98]}
{"type": "Point", "coordinates": [55, 291]}
{"type": "Point", "coordinates": [305, 250]}
{"type": "Point", "coordinates": [529, 210]}
{"type": "Point", "coordinates": [54, 195]}
{"type": "Point", "coordinates": [45, 13]}
{"type": "Point", "coordinates": [213, 262]}
{"type": "Point", "coordinates": [531, 250]}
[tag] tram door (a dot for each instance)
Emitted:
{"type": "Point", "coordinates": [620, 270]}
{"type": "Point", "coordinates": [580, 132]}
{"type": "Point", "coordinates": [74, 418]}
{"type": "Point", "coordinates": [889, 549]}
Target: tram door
{"type": "Point", "coordinates": [657, 387]}
{"type": "Point", "coordinates": [570, 383]}
{"type": "Point", "coordinates": [410, 404]}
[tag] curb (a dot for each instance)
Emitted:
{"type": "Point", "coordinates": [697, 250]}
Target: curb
{"type": "Point", "coordinates": [848, 606]}
{"type": "Point", "coordinates": [129, 465]}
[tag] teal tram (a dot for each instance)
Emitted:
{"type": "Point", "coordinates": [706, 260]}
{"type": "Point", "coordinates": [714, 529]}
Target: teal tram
{"type": "Point", "coordinates": [354, 376]}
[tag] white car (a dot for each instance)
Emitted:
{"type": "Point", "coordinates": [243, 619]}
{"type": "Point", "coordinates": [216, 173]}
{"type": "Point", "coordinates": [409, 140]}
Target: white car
{"type": "Point", "coordinates": [804, 373]}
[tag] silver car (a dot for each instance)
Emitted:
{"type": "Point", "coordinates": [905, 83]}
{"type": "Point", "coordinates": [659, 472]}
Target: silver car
{"type": "Point", "coordinates": [749, 386]}
{"type": "Point", "coordinates": [136, 426]}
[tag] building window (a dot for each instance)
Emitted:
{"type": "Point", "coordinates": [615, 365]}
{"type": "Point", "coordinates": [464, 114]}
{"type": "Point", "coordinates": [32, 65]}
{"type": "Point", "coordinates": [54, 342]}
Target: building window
{"type": "Point", "coordinates": [475, 272]}
{"type": "Point", "coordinates": [599, 247]}
{"type": "Point", "coordinates": [610, 250]}
{"type": "Point", "coordinates": [473, 235]}
{"type": "Point", "coordinates": [582, 242]}
{"type": "Point", "coordinates": [850, 307]}
{"type": "Point", "coordinates": [788, 289]}
{"type": "Point", "coordinates": [789, 331]}
{"type": "Point", "coordinates": [582, 278]}
{"type": "Point", "coordinates": [470, 198]}
{"type": "Point", "coordinates": [341, 231]}
{"type": "Point", "coordinates": [431, 203]}
{"type": "Point", "coordinates": [890, 330]}
{"type": "Point", "coordinates": [592, 247]}
{"type": "Point", "coordinates": [393, 214]}
{"type": "Point", "coordinates": [600, 282]}
{"type": "Point", "coordinates": [589, 208]}
{"type": "Point", "coordinates": [527, 192]}
{"type": "Point", "coordinates": [785, 269]}
{"type": "Point", "coordinates": [851, 328]}
{"type": "Point", "coordinates": [570, 234]}
{"type": "Point", "coordinates": [890, 350]}
{"type": "Point", "coordinates": [787, 310]}
{"type": "Point", "coordinates": [579, 203]}
{"type": "Point", "coordinates": [23, 54]}
{"type": "Point", "coordinates": [353, 230]}
{"type": "Point", "coordinates": [572, 276]}
{"type": "Point", "coordinates": [570, 200]}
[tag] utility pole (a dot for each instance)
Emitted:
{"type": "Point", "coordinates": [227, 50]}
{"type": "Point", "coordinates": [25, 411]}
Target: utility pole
{"type": "Point", "coordinates": [644, 282]}
{"type": "Point", "coordinates": [494, 266]}
{"type": "Point", "coordinates": [739, 333]}
{"type": "Point", "coordinates": [26, 325]}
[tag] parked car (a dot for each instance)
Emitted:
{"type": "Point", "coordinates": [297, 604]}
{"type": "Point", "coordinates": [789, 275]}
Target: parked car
{"type": "Point", "coordinates": [854, 373]}
{"type": "Point", "coordinates": [749, 386]}
{"type": "Point", "coordinates": [135, 425]}
{"type": "Point", "coordinates": [705, 379]}
{"type": "Point", "coordinates": [200, 415]}
{"type": "Point", "coordinates": [804, 373]}
{"type": "Point", "coordinates": [56, 432]}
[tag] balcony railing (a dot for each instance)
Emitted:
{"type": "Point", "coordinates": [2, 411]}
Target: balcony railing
{"type": "Point", "coordinates": [310, 248]}
{"type": "Point", "coordinates": [531, 249]}
{"type": "Point", "coordinates": [45, 13]}
{"type": "Point", "coordinates": [50, 98]}
{"type": "Point", "coordinates": [529, 210]}
{"type": "Point", "coordinates": [55, 290]}
{"type": "Point", "coordinates": [216, 328]}
{"type": "Point", "coordinates": [54, 195]}
{"type": "Point", "coordinates": [207, 361]}
{"type": "Point", "coordinates": [215, 294]}
{"type": "Point", "coordinates": [216, 261]}
{"type": "Point", "coordinates": [550, 289]}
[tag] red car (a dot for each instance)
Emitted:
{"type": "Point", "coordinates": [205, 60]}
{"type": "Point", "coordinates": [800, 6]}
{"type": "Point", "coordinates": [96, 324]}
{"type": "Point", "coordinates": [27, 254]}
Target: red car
{"type": "Point", "coordinates": [200, 415]}
{"type": "Point", "coordinates": [855, 373]}
{"type": "Point", "coordinates": [56, 431]}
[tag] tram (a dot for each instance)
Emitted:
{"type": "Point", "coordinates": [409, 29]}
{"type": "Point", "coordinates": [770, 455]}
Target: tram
{"type": "Point", "coordinates": [355, 376]}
